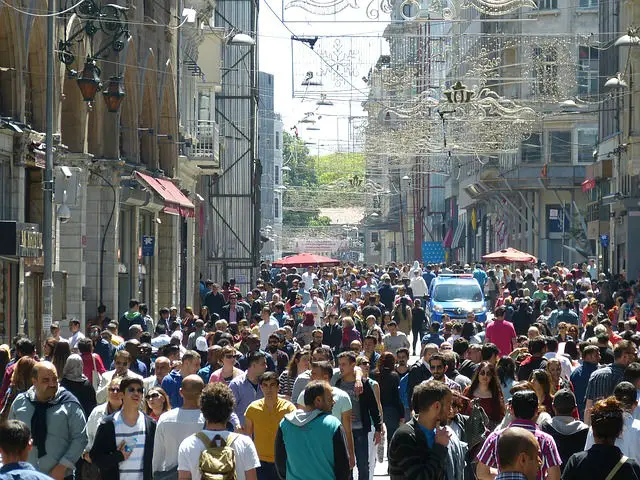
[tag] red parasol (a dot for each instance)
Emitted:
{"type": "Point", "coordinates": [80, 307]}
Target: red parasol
{"type": "Point", "coordinates": [306, 260]}
{"type": "Point", "coordinates": [509, 255]}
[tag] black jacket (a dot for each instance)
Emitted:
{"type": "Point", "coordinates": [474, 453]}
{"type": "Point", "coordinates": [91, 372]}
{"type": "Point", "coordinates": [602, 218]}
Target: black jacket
{"type": "Point", "coordinates": [410, 457]}
{"type": "Point", "coordinates": [84, 392]}
{"type": "Point", "coordinates": [418, 374]}
{"type": "Point", "coordinates": [597, 462]}
{"type": "Point", "coordinates": [215, 302]}
{"type": "Point", "coordinates": [332, 336]}
{"type": "Point", "coordinates": [368, 407]}
{"type": "Point", "coordinates": [107, 457]}
{"type": "Point", "coordinates": [240, 313]}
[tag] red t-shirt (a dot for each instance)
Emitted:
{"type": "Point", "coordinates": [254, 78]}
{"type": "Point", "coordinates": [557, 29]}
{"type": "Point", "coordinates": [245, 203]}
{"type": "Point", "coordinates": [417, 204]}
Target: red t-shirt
{"type": "Point", "coordinates": [501, 333]}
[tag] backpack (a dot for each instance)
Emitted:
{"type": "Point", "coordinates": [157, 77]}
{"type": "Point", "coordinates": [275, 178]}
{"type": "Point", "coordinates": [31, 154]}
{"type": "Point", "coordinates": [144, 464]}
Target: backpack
{"type": "Point", "coordinates": [217, 462]}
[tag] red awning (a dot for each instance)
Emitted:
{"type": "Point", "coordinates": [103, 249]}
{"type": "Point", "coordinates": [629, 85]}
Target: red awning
{"type": "Point", "coordinates": [509, 255]}
{"type": "Point", "coordinates": [305, 260]}
{"type": "Point", "coordinates": [175, 202]}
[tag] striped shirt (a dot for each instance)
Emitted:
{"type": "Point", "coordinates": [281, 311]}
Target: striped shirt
{"type": "Point", "coordinates": [549, 452]}
{"type": "Point", "coordinates": [603, 381]}
{"type": "Point", "coordinates": [131, 468]}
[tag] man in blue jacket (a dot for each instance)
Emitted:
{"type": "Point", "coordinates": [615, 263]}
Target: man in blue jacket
{"type": "Point", "coordinates": [171, 383]}
{"type": "Point", "coordinates": [312, 440]}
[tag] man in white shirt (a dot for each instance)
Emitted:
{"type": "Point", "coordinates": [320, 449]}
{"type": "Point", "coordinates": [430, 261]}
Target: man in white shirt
{"type": "Point", "coordinates": [316, 306]}
{"type": "Point", "coordinates": [76, 334]}
{"type": "Point", "coordinates": [267, 326]}
{"type": "Point", "coordinates": [216, 404]}
{"type": "Point", "coordinates": [176, 425]}
{"type": "Point", "coordinates": [162, 367]}
{"type": "Point", "coordinates": [121, 361]}
{"type": "Point", "coordinates": [308, 276]}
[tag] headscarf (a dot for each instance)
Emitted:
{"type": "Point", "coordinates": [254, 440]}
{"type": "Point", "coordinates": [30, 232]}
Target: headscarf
{"type": "Point", "coordinates": [73, 369]}
{"type": "Point", "coordinates": [309, 319]}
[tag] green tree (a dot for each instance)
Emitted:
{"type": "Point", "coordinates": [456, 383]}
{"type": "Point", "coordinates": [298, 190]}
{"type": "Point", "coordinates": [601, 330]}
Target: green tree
{"type": "Point", "coordinates": [302, 173]}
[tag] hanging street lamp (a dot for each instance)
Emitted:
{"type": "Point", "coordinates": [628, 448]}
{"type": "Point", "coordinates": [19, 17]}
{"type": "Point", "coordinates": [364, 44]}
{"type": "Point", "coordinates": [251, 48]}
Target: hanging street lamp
{"type": "Point", "coordinates": [89, 80]}
{"type": "Point", "coordinates": [114, 94]}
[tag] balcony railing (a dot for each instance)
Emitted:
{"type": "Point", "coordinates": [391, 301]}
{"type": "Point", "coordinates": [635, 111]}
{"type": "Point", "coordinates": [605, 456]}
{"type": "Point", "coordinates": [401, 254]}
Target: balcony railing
{"type": "Point", "coordinates": [202, 144]}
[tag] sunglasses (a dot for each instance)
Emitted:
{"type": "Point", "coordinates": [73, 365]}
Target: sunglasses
{"type": "Point", "coordinates": [365, 363]}
{"type": "Point", "coordinates": [134, 390]}
{"type": "Point", "coordinates": [153, 396]}
{"type": "Point", "coordinates": [114, 389]}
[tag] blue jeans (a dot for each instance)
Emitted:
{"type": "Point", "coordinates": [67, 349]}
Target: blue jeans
{"type": "Point", "coordinates": [361, 447]}
{"type": "Point", "coordinates": [267, 471]}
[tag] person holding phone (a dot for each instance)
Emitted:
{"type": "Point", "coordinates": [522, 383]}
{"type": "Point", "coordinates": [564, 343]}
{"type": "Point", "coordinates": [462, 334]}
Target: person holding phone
{"type": "Point", "coordinates": [123, 447]}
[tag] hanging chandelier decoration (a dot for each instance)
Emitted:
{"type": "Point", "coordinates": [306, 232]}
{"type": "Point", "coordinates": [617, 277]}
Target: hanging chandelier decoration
{"type": "Point", "coordinates": [410, 9]}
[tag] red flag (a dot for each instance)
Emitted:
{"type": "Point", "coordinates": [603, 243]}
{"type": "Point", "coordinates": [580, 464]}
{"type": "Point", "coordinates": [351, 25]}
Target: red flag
{"type": "Point", "coordinates": [588, 184]}
{"type": "Point", "coordinates": [543, 171]}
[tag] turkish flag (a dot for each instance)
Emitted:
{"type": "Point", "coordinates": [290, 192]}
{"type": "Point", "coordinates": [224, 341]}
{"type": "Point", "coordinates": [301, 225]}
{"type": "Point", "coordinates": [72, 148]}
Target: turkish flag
{"type": "Point", "coordinates": [588, 184]}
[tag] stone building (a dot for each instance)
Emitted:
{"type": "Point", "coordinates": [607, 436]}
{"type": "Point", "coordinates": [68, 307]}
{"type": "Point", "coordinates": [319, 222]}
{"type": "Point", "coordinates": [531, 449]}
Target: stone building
{"type": "Point", "coordinates": [127, 177]}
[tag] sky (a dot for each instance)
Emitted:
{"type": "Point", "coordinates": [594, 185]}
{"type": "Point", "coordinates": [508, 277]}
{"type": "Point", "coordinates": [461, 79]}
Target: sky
{"type": "Point", "coordinates": [348, 46]}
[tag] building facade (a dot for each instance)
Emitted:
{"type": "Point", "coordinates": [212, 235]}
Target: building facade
{"type": "Point", "coordinates": [270, 154]}
{"type": "Point", "coordinates": [125, 196]}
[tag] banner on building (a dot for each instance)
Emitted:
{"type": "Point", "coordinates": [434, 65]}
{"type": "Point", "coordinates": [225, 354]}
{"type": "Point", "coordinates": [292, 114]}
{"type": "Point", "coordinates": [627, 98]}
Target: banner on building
{"type": "Point", "coordinates": [432, 252]}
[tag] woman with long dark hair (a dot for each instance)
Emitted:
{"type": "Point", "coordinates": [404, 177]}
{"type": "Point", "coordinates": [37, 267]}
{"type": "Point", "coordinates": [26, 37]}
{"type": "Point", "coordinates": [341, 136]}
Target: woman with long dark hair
{"type": "Point", "coordinates": [485, 386]}
{"type": "Point", "coordinates": [61, 352]}
{"type": "Point", "coordinates": [402, 314]}
{"type": "Point", "coordinates": [507, 374]}
{"type": "Point", "coordinates": [541, 381]}
{"type": "Point", "coordinates": [48, 347]}
{"type": "Point", "coordinates": [299, 363]}
{"type": "Point", "coordinates": [389, 380]}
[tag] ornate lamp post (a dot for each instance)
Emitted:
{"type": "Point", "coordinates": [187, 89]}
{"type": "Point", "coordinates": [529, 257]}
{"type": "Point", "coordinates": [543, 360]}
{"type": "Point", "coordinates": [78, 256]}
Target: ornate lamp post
{"type": "Point", "coordinates": [110, 19]}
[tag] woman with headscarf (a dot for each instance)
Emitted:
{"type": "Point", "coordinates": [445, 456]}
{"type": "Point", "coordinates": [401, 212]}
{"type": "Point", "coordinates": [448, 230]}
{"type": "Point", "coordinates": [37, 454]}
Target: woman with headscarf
{"type": "Point", "coordinates": [304, 333]}
{"type": "Point", "coordinates": [74, 380]}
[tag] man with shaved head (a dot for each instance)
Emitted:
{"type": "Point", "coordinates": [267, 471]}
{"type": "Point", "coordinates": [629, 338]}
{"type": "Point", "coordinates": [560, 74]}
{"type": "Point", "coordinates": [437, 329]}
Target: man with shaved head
{"type": "Point", "coordinates": [176, 425]}
{"type": "Point", "coordinates": [162, 367]}
{"type": "Point", "coordinates": [57, 423]}
{"type": "Point", "coordinates": [518, 455]}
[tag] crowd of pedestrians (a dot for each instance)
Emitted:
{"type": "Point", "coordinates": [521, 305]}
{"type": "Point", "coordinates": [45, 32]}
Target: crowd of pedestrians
{"type": "Point", "coordinates": [309, 376]}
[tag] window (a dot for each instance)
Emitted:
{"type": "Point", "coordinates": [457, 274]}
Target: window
{"type": "Point", "coordinates": [276, 175]}
{"type": "Point", "coordinates": [587, 139]}
{"type": "Point", "coordinates": [560, 148]}
{"type": "Point", "coordinates": [532, 149]}
{"type": "Point", "coordinates": [545, 70]}
{"type": "Point", "coordinates": [587, 71]}
{"type": "Point", "coordinates": [277, 140]}
{"type": "Point", "coordinates": [547, 4]}
{"type": "Point", "coordinates": [588, 3]}
{"type": "Point", "coordinates": [276, 207]}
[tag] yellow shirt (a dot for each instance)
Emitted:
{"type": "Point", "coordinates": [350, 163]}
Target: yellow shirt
{"type": "Point", "coordinates": [265, 425]}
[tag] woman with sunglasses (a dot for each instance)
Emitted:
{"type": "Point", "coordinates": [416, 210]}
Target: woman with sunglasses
{"type": "Point", "coordinates": [114, 402]}
{"type": "Point", "coordinates": [228, 371]}
{"type": "Point", "coordinates": [156, 403]}
{"type": "Point", "coordinates": [485, 386]}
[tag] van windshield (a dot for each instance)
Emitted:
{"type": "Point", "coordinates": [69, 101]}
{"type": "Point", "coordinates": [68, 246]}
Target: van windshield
{"type": "Point", "coordinates": [469, 292]}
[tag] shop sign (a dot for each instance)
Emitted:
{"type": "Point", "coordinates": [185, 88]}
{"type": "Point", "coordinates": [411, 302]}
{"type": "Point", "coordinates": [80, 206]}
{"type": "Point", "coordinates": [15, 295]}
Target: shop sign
{"type": "Point", "coordinates": [20, 239]}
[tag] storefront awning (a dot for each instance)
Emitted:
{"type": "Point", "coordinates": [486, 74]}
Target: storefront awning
{"type": "Point", "coordinates": [175, 202]}
{"type": "Point", "coordinates": [458, 234]}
